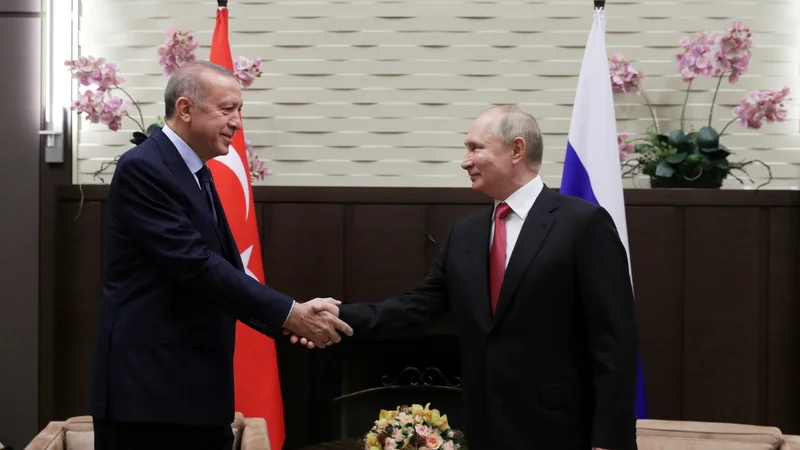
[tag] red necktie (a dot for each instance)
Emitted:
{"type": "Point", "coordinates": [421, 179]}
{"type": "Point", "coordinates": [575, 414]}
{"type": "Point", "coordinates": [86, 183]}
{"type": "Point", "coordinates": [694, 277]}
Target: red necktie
{"type": "Point", "coordinates": [497, 255]}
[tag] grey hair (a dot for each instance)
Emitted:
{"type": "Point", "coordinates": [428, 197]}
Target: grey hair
{"type": "Point", "coordinates": [516, 122]}
{"type": "Point", "coordinates": [187, 82]}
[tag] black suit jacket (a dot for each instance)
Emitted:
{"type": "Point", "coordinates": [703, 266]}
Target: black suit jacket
{"type": "Point", "coordinates": [173, 287]}
{"type": "Point", "coordinates": [555, 367]}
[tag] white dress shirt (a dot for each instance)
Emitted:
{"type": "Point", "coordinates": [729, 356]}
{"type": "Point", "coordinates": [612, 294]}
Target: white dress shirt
{"type": "Point", "coordinates": [193, 162]}
{"type": "Point", "coordinates": [520, 202]}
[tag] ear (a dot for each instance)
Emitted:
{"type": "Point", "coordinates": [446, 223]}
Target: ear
{"type": "Point", "coordinates": [517, 150]}
{"type": "Point", "coordinates": [182, 109]}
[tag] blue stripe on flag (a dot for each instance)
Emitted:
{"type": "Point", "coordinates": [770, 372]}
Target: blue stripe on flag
{"type": "Point", "coordinates": [575, 181]}
{"type": "Point", "coordinates": [641, 400]}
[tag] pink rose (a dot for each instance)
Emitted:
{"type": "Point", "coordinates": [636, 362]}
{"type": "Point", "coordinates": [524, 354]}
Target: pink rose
{"type": "Point", "coordinates": [448, 446]}
{"type": "Point", "coordinates": [433, 441]}
{"type": "Point", "coordinates": [421, 430]}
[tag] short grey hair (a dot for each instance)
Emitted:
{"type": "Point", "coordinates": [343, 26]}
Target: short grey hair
{"type": "Point", "coordinates": [187, 82]}
{"type": "Point", "coordinates": [516, 122]}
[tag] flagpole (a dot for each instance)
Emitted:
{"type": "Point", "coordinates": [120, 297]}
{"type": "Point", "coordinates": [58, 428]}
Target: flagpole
{"type": "Point", "coordinates": [598, 4]}
{"type": "Point", "coordinates": [224, 3]}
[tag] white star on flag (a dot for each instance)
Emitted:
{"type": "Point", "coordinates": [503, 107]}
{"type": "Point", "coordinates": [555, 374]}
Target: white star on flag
{"type": "Point", "coordinates": [245, 255]}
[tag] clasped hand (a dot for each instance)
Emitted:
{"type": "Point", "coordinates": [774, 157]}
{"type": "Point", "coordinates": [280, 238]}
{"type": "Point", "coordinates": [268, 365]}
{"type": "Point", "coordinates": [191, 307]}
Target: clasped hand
{"type": "Point", "coordinates": [316, 323]}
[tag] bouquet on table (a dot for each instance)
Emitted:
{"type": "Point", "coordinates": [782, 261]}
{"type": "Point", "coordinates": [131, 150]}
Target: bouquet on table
{"type": "Point", "coordinates": [412, 428]}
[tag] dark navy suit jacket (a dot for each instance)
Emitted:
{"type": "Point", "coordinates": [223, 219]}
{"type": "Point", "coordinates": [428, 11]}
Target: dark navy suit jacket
{"type": "Point", "coordinates": [173, 288]}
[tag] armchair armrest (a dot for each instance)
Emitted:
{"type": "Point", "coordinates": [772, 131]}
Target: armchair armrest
{"type": "Point", "coordinates": [255, 435]}
{"type": "Point", "coordinates": [50, 438]}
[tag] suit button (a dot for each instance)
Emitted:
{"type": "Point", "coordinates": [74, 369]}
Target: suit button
{"type": "Point", "coordinates": [491, 341]}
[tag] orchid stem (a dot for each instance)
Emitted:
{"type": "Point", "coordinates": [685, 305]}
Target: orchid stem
{"type": "Point", "coordinates": [141, 116]}
{"type": "Point", "coordinates": [685, 101]}
{"type": "Point", "coordinates": [714, 100]}
{"type": "Point", "coordinates": [650, 107]}
{"type": "Point", "coordinates": [726, 126]}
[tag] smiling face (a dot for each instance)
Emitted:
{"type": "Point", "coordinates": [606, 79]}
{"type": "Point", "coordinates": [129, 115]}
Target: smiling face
{"type": "Point", "coordinates": [489, 163]}
{"type": "Point", "coordinates": [211, 119]}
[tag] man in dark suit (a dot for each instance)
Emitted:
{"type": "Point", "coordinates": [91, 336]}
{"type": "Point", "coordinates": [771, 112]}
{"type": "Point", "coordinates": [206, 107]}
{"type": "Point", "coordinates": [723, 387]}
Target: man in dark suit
{"type": "Point", "coordinates": [539, 287]}
{"type": "Point", "coordinates": [174, 285]}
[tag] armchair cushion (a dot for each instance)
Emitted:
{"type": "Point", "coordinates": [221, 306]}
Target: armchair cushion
{"type": "Point", "coordinates": [791, 442]}
{"type": "Point", "coordinates": [727, 433]}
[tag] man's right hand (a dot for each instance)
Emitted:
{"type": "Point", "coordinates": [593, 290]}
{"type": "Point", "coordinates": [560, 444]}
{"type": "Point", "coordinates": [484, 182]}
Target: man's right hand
{"type": "Point", "coordinates": [309, 320]}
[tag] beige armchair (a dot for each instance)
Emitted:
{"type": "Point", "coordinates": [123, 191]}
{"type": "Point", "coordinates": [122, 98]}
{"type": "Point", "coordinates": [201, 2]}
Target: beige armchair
{"type": "Point", "coordinates": [680, 435]}
{"type": "Point", "coordinates": [76, 433]}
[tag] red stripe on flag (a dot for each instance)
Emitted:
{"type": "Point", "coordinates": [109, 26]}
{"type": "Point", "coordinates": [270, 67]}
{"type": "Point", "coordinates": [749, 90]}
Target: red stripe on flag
{"type": "Point", "coordinates": [257, 383]}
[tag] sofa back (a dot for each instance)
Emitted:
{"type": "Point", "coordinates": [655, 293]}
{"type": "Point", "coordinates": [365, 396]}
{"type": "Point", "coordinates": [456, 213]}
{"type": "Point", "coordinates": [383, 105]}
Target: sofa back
{"type": "Point", "coordinates": [680, 435]}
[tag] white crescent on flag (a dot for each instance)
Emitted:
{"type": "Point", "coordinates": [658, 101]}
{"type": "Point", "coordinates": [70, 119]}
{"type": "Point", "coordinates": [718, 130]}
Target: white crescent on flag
{"type": "Point", "coordinates": [234, 162]}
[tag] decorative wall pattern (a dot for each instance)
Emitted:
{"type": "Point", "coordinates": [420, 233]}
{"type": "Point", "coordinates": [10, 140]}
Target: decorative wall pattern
{"type": "Point", "coordinates": [381, 93]}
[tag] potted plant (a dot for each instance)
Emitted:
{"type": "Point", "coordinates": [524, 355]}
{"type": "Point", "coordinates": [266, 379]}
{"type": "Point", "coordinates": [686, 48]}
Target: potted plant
{"type": "Point", "coordinates": [689, 158]}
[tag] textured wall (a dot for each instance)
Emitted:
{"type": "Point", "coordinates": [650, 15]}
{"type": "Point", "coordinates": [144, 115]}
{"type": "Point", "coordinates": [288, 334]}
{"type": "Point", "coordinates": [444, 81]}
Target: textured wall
{"type": "Point", "coordinates": [381, 93]}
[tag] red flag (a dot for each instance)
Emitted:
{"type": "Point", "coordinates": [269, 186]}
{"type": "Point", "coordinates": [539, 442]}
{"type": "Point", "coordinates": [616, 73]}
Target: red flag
{"type": "Point", "coordinates": [257, 385]}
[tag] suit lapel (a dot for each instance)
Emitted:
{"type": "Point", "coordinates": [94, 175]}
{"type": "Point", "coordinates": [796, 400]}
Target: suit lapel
{"type": "Point", "coordinates": [186, 178]}
{"type": "Point", "coordinates": [479, 253]}
{"type": "Point", "coordinates": [533, 234]}
{"type": "Point", "coordinates": [228, 241]}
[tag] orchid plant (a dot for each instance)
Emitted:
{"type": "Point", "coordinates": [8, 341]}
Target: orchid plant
{"type": "Point", "coordinates": [688, 158]}
{"type": "Point", "coordinates": [98, 104]}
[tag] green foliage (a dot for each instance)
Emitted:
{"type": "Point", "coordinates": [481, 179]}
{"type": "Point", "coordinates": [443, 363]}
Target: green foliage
{"type": "Point", "coordinates": [678, 159]}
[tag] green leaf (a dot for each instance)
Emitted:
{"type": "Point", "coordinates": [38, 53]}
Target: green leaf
{"type": "Point", "coordinates": [722, 164]}
{"type": "Point", "coordinates": [676, 138]}
{"type": "Point", "coordinates": [707, 137]}
{"type": "Point", "coordinates": [152, 128]}
{"type": "Point", "coordinates": [664, 170]}
{"type": "Point", "coordinates": [676, 158]}
{"type": "Point", "coordinates": [643, 147]}
{"type": "Point", "coordinates": [138, 138]}
{"type": "Point", "coordinates": [662, 138]}
{"type": "Point", "coordinates": [716, 153]}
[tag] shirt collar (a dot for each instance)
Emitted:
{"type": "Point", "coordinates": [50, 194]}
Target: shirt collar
{"type": "Point", "coordinates": [193, 162]}
{"type": "Point", "coordinates": [521, 201]}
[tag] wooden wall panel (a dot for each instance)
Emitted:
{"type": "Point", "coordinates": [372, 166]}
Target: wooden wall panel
{"type": "Point", "coordinates": [656, 237]}
{"type": "Point", "coordinates": [783, 364]}
{"type": "Point", "coordinates": [384, 250]}
{"type": "Point", "coordinates": [722, 319]}
{"type": "Point", "coordinates": [80, 244]}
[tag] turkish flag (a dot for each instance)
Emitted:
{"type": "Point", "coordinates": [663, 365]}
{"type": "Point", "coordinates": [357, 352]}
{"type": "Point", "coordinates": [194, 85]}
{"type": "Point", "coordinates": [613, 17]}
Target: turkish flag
{"type": "Point", "coordinates": [257, 384]}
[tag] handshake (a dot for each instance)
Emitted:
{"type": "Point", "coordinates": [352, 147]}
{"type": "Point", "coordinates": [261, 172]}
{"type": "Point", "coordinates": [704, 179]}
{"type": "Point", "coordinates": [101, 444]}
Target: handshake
{"type": "Point", "coordinates": [316, 323]}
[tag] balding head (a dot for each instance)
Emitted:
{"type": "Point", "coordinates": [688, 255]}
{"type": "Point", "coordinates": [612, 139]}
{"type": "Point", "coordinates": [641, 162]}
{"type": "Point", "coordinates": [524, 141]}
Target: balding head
{"type": "Point", "coordinates": [190, 81]}
{"type": "Point", "coordinates": [509, 122]}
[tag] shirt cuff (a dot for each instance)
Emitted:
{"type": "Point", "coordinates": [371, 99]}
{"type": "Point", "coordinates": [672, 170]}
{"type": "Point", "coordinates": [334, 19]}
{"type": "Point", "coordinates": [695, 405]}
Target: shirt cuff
{"type": "Point", "coordinates": [290, 313]}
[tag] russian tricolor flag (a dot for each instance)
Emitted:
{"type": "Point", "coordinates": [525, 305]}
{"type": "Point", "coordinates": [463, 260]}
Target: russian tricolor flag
{"type": "Point", "coordinates": [591, 166]}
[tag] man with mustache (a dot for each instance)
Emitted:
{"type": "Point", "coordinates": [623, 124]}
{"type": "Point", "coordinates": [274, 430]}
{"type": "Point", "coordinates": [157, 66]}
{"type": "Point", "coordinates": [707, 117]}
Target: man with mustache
{"type": "Point", "coordinates": [174, 285]}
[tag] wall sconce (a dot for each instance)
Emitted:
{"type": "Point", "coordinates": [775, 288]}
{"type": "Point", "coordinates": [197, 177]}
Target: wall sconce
{"type": "Point", "coordinates": [59, 42]}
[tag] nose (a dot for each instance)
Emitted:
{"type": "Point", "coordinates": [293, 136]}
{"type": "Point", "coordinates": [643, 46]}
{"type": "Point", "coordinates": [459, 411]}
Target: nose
{"type": "Point", "coordinates": [236, 122]}
{"type": "Point", "coordinates": [466, 163]}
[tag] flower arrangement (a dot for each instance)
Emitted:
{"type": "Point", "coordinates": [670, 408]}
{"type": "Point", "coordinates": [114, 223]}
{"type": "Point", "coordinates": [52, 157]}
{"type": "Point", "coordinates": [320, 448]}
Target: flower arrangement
{"type": "Point", "coordinates": [98, 104]}
{"type": "Point", "coordinates": [412, 428]}
{"type": "Point", "coordinates": [685, 157]}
